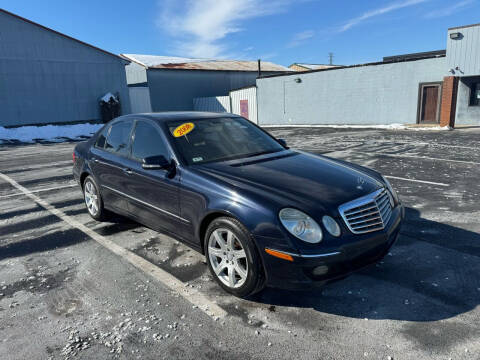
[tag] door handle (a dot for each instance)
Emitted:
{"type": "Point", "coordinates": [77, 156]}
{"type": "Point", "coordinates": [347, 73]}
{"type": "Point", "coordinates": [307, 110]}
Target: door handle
{"type": "Point", "coordinates": [128, 171]}
{"type": "Point", "coordinates": [95, 160]}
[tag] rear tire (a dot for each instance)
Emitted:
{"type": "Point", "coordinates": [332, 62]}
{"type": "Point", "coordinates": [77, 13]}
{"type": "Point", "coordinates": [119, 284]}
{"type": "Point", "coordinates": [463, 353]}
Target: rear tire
{"type": "Point", "coordinates": [232, 257]}
{"type": "Point", "coordinates": [93, 200]}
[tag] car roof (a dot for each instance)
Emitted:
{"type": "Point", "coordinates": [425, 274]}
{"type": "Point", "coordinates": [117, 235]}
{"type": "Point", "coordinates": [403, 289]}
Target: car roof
{"type": "Point", "coordinates": [179, 115]}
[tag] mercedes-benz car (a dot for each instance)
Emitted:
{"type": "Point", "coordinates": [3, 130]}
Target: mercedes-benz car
{"type": "Point", "coordinates": [262, 214]}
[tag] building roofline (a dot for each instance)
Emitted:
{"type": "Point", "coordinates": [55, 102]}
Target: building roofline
{"type": "Point", "coordinates": [281, 72]}
{"type": "Point", "coordinates": [243, 88]}
{"type": "Point", "coordinates": [63, 35]}
{"type": "Point", "coordinates": [128, 58]}
{"type": "Point", "coordinates": [184, 65]}
{"type": "Point", "coordinates": [313, 64]}
{"type": "Point", "coordinates": [349, 67]}
{"type": "Point", "coordinates": [417, 55]}
{"type": "Point", "coordinates": [463, 26]}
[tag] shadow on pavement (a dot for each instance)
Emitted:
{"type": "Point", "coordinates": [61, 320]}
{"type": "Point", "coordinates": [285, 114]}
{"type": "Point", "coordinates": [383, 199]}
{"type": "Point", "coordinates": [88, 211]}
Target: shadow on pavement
{"type": "Point", "coordinates": [51, 241]}
{"type": "Point", "coordinates": [430, 274]}
{"type": "Point", "coordinates": [37, 241]}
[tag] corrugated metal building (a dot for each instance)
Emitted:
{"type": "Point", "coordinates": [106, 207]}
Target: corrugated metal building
{"type": "Point", "coordinates": [244, 102]}
{"type": "Point", "coordinates": [463, 62]}
{"type": "Point", "coordinates": [241, 101]}
{"type": "Point", "coordinates": [218, 104]}
{"type": "Point", "coordinates": [173, 83]}
{"type": "Point", "coordinates": [49, 77]}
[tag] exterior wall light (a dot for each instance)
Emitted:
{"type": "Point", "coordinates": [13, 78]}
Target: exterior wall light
{"type": "Point", "coordinates": [456, 36]}
{"type": "Point", "coordinates": [298, 80]}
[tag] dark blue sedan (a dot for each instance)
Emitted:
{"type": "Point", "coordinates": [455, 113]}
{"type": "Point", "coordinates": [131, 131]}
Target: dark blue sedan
{"type": "Point", "coordinates": [263, 214]}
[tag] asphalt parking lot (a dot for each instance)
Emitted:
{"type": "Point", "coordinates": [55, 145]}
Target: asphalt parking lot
{"type": "Point", "coordinates": [71, 287]}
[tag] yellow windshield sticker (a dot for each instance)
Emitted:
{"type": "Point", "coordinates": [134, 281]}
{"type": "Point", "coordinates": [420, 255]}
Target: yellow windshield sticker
{"type": "Point", "coordinates": [183, 129]}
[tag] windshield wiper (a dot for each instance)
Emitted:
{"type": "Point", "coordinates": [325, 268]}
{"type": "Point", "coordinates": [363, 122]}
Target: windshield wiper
{"type": "Point", "coordinates": [240, 156]}
{"type": "Point", "coordinates": [262, 153]}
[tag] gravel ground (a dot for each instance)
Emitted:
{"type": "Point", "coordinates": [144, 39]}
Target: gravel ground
{"type": "Point", "coordinates": [64, 296]}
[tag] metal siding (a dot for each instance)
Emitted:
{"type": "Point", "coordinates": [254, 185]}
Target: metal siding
{"type": "Point", "coordinates": [47, 78]}
{"type": "Point", "coordinates": [174, 90]}
{"type": "Point", "coordinates": [140, 99]}
{"type": "Point", "coordinates": [249, 94]}
{"type": "Point", "coordinates": [464, 53]}
{"type": "Point", "coordinates": [136, 74]}
{"type": "Point", "coordinates": [218, 104]}
{"type": "Point", "coordinates": [376, 94]}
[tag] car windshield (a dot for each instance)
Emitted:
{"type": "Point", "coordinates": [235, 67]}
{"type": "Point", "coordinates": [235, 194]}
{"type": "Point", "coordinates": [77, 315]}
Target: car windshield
{"type": "Point", "coordinates": [207, 140]}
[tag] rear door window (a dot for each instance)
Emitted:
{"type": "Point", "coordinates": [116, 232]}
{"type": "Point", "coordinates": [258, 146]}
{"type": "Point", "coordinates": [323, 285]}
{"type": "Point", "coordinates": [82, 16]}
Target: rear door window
{"type": "Point", "coordinates": [118, 138]}
{"type": "Point", "coordinates": [147, 142]}
{"type": "Point", "coordinates": [100, 143]}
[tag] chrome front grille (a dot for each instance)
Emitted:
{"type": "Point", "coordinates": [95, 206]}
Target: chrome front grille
{"type": "Point", "coordinates": [368, 213]}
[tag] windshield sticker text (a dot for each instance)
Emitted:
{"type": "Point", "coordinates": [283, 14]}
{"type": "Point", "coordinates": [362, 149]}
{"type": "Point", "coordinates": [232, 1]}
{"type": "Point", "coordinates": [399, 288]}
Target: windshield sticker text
{"type": "Point", "coordinates": [183, 129]}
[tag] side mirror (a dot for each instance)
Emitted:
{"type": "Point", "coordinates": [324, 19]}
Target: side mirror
{"type": "Point", "coordinates": [155, 163]}
{"type": "Point", "coordinates": [283, 142]}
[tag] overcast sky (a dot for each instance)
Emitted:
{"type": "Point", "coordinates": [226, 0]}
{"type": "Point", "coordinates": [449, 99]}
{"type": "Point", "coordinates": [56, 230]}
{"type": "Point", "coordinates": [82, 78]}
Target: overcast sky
{"type": "Point", "coordinates": [282, 31]}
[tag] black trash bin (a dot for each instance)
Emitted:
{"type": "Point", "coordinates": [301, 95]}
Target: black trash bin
{"type": "Point", "coordinates": [109, 107]}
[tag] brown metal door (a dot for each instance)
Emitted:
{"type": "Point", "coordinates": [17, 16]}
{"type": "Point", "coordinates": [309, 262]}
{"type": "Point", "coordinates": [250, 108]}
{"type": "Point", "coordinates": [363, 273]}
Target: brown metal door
{"type": "Point", "coordinates": [429, 103]}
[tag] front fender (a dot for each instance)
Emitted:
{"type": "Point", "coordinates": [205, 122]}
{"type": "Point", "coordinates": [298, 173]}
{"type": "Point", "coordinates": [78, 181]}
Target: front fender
{"type": "Point", "coordinates": [203, 198]}
{"type": "Point", "coordinates": [261, 221]}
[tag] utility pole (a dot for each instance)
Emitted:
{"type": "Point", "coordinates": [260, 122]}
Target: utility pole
{"type": "Point", "coordinates": [330, 58]}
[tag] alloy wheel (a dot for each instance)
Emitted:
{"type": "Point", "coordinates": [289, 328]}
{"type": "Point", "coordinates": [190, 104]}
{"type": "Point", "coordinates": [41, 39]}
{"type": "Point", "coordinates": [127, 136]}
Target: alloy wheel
{"type": "Point", "coordinates": [227, 258]}
{"type": "Point", "coordinates": [91, 198]}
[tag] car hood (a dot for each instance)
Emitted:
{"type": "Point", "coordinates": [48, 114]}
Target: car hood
{"type": "Point", "coordinates": [293, 178]}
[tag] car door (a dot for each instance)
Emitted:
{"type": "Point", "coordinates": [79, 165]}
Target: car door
{"type": "Point", "coordinates": [154, 193]}
{"type": "Point", "coordinates": [108, 158]}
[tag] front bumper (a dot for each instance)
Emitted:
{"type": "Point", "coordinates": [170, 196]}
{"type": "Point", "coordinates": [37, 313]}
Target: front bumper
{"type": "Point", "coordinates": [312, 270]}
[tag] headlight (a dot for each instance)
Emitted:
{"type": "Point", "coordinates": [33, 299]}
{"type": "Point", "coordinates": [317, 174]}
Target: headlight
{"type": "Point", "coordinates": [301, 225]}
{"type": "Point", "coordinates": [331, 225]}
{"type": "Point", "coordinates": [390, 189]}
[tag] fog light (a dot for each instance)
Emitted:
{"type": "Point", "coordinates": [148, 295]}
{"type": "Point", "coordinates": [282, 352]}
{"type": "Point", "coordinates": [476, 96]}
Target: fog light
{"type": "Point", "coordinates": [331, 225]}
{"type": "Point", "coordinates": [320, 270]}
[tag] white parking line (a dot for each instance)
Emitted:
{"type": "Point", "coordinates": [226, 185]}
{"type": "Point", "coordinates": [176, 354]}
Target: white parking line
{"type": "Point", "coordinates": [190, 294]}
{"type": "Point", "coordinates": [415, 180]}
{"type": "Point", "coordinates": [413, 143]}
{"type": "Point", "coordinates": [41, 166]}
{"type": "Point", "coordinates": [38, 191]}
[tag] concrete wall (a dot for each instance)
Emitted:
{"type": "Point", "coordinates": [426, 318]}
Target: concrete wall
{"type": "Point", "coordinates": [375, 94]}
{"type": "Point", "coordinates": [176, 89]}
{"type": "Point", "coordinates": [47, 78]}
{"type": "Point", "coordinates": [464, 52]}
{"type": "Point", "coordinates": [466, 114]}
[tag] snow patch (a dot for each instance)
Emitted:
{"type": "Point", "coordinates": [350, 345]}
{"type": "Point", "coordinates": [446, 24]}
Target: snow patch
{"type": "Point", "coordinates": [49, 132]}
{"type": "Point", "coordinates": [107, 97]}
{"type": "Point", "coordinates": [435, 128]}
{"type": "Point", "coordinates": [388, 127]}
{"type": "Point", "coordinates": [155, 60]}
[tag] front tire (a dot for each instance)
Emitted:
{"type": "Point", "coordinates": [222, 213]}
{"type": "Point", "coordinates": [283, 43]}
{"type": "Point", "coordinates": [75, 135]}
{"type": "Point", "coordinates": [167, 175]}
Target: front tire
{"type": "Point", "coordinates": [93, 200]}
{"type": "Point", "coordinates": [233, 258]}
